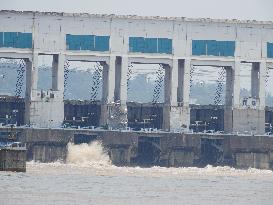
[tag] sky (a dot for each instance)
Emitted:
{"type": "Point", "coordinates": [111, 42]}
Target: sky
{"type": "Point", "coordinates": [223, 9]}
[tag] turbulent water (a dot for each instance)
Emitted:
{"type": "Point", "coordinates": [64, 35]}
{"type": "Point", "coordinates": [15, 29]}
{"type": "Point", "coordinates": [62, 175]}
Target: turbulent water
{"type": "Point", "coordinates": [89, 178]}
{"type": "Point", "coordinates": [87, 154]}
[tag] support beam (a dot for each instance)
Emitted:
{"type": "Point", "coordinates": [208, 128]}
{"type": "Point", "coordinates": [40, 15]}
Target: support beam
{"type": "Point", "coordinates": [31, 85]}
{"type": "Point", "coordinates": [180, 76]}
{"type": "Point", "coordinates": [262, 77]}
{"type": "Point", "coordinates": [111, 79]}
{"type": "Point", "coordinates": [108, 77]}
{"type": "Point", "coordinates": [255, 80]}
{"type": "Point", "coordinates": [236, 84]}
{"type": "Point", "coordinates": [168, 91]}
{"type": "Point", "coordinates": [174, 83]}
{"type": "Point", "coordinates": [123, 80]}
{"type": "Point", "coordinates": [117, 112]}
{"type": "Point", "coordinates": [105, 83]}
{"type": "Point", "coordinates": [229, 86]}
{"type": "Point", "coordinates": [117, 78]}
{"type": "Point", "coordinates": [176, 115]}
{"type": "Point", "coordinates": [31, 76]}
{"type": "Point", "coordinates": [228, 116]}
{"type": "Point", "coordinates": [120, 90]}
{"type": "Point", "coordinates": [107, 90]}
{"type": "Point", "coordinates": [186, 83]}
{"type": "Point", "coordinates": [58, 72]}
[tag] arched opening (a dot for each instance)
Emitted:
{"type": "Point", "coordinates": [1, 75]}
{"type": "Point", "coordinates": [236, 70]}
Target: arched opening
{"type": "Point", "coordinates": [148, 151]}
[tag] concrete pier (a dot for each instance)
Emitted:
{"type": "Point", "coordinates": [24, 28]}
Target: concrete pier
{"type": "Point", "coordinates": [13, 159]}
{"type": "Point", "coordinates": [152, 148]}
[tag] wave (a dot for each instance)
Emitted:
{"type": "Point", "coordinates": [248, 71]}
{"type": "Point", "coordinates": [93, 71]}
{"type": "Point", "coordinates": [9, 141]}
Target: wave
{"type": "Point", "coordinates": [87, 154]}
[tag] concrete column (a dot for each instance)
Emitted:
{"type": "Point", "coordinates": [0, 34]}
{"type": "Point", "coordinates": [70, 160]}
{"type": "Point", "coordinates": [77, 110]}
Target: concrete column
{"type": "Point", "coordinates": [177, 84]}
{"type": "Point", "coordinates": [31, 85]}
{"type": "Point", "coordinates": [255, 80]}
{"type": "Point", "coordinates": [186, 83]}
{"type": "Point", "coordinates": [28, 78]}
{"type": "Point", "coordinates": [123, 80]}
{"type": "Point", "coordinates": [117, 112]}
{"type": "Point", "coordinates": [58, 72]}
{"type": "Point", "coordinates": [228, 116]}
{"type": "Point", "coordinates": [55, 72]}
{"type": "Point", "coordinates": [167, 84]}
{"type": "Point", "coordinates": [262, 77]}
{"type": "Point", "coordinates": [111, 79]}
{"type": "Point", "coordinates": [31, 76]}
{"type": "Point", "coordinates": [236, 84]}
{"type": "Point", "coordinates": [229, 86]}
{"type": "Point", "coordinates": [28, 90]}
{"type": "Point", "coordinates": [34, 72]}
{"type": "Point", "coordinates": [117, 78]}
{"type": "Point", "coordinates": [105, 83]}
{"type": "Point", "coordinates": [107, 89]}
{"type": "Point", "coordinates": [108, 77]}
{"type": "Point", "coordinates": [174, 82]}
{"type": "Point", "coordinates": [180, 80]}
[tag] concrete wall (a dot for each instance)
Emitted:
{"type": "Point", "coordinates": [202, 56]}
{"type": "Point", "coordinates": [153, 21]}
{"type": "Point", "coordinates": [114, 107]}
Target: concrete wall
{"type": "Point", "coordinates": [172, 149]}
{"type": "Point", "coordinates": [255, 160]}
{"type": "Point", "coordinates": [251, 118]}
{"type": "Point", "coordinates": [180, 149]}
{"type": "Point", "coordinates": [47, 151]}
{"type": "Point", "coordinates": [87, 113]}
{"type": "Point", "coordinates": [49, 31]}
{"type": "Point", "coordinates": [13, 160]}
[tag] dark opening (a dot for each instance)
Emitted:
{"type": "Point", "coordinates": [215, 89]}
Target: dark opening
{"type": "Point", "coordinates": [12, 91]}
{"type": "Point", "coordinates": [83, 138]}
{"type": "Point", "coordinates": [208, 118]}
{"type": "Point", "coordinates": [148, 151]}
{"type": "Point", "coordinates": [211, 151]}
{"type": "Point", "coordinates": [146, 115]}
{"type": "Point", "coordinates": [81, 113]}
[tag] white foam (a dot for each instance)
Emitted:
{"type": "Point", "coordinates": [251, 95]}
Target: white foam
{"type": "Point", "coordinates": [87, 154]}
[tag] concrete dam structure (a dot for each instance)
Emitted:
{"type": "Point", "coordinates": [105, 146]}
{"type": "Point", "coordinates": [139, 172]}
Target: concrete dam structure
{"type": "Point", "coordinates": [116, 42]}
{"type": "Point", "coordinates": [169, 133]}
{"type": "Point", "coordinates": [140, 115]}
{"type": "Point", "coordinates": [151, 147]}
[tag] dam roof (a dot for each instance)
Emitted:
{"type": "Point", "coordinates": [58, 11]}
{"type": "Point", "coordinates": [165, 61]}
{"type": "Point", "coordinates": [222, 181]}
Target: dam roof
{"type": "Point", "coordinates": [136, 17]}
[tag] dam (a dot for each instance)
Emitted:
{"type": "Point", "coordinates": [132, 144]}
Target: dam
{"type": "Point", "coordinates": [172, 133]}
{"type": "Point", "coordinates": [151, 147]}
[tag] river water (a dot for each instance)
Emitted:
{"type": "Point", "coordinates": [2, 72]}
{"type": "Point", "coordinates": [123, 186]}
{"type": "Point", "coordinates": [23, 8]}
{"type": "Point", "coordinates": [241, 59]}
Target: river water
{"type": "Point", "coordinates": [89, 178]}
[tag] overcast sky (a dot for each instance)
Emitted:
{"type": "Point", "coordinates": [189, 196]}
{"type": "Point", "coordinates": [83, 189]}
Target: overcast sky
{"type": "Point", "coordinates": [232, 9]}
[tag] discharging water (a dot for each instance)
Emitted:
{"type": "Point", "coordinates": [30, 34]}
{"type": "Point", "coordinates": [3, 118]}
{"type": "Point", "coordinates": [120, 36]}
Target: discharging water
{"type": "Point", "coordinates": [89, 178]}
